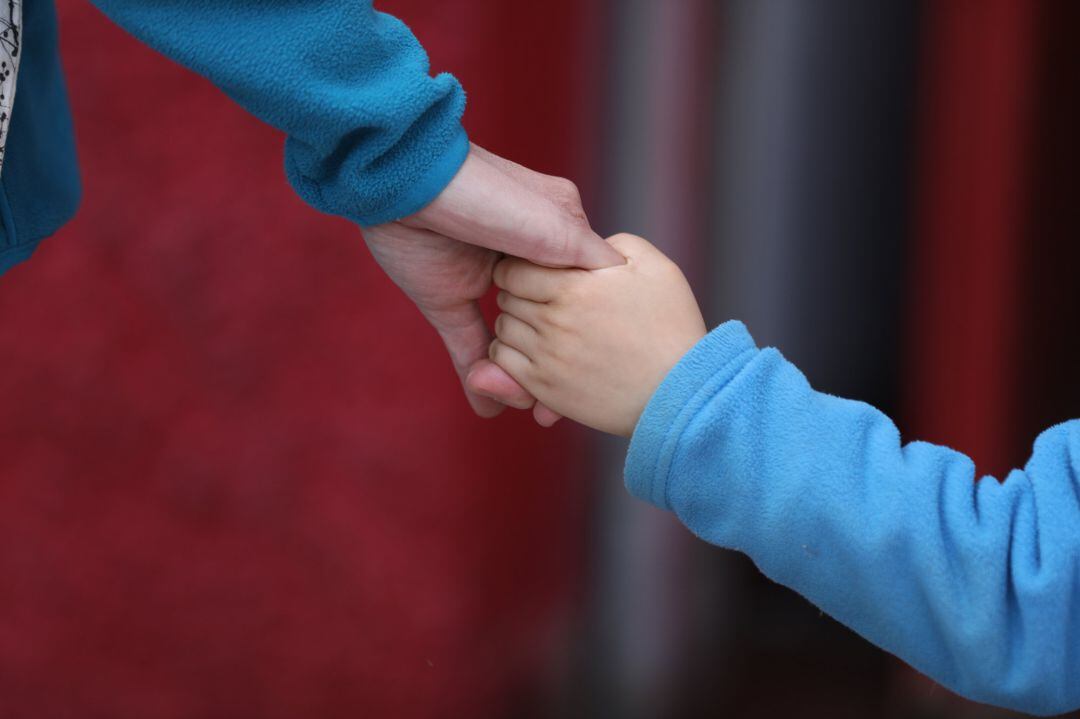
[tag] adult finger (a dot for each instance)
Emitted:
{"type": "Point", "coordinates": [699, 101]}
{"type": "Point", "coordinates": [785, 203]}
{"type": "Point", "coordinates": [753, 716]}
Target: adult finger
{"type": "Point", "coordinates": [466, 337]}
{"type": "Point", "coordinates": [488, 379]}
{"type": "Point", "coordinates": [526, 280]}
{"type": "Point", "coordinates": [544, 415]}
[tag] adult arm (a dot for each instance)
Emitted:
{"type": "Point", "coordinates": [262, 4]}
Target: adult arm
{"type": "Point", "coordinates": [371, 135]}
{"type": "Point", "coordinates": [374, 138]}
{"type": "Point", "coordinates": [976, 583]}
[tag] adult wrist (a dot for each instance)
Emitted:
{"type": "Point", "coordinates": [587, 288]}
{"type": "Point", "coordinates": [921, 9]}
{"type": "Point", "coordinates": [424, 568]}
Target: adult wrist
{"type": "Point", "coordinates": [429, 185]}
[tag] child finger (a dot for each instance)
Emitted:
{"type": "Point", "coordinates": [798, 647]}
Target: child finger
{"type": "Point", "coordinates": [524, 279]}
{"type": "Point", "coordinates": [523, 309]}
{"type": "Point", "coordinates": [516, 333]}
{"type": "Point", "coordinates": [513, 362]}
{"type": "Point", "coordinates": [631, 245]}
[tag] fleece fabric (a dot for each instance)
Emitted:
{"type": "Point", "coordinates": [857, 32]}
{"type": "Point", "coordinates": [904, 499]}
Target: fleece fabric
{"type": "Point", "coordinates": [371, 135]}
{"type": "Point", "coordinates": [39, 187]}
{"type": "Point", "coordinates": [973, 582]}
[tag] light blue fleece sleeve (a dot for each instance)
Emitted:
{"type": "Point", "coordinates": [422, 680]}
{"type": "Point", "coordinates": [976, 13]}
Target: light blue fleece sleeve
{"type": "Point", "coordinates": [371, 135]}
{"type": "Point", "coordinates": [974, 583]}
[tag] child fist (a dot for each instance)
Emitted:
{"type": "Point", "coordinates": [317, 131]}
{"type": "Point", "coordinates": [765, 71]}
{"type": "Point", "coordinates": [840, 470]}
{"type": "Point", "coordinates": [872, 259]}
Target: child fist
{"type": "Point", "coordinates": [595, 344]}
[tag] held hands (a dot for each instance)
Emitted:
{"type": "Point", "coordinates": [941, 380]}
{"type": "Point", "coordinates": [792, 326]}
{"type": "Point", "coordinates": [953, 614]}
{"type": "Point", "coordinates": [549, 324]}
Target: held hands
{"type": "Point", "coordinates": [591, 343]}
{"type": "Point", "coordinates": [595, 345]}
{"type": "Point", "coordinates": [442, 257]}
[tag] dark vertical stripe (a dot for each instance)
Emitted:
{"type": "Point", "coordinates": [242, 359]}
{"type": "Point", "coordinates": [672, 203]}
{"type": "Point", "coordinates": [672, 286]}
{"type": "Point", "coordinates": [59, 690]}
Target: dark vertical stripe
{"type": "Point", "coordinates": [966, 283]}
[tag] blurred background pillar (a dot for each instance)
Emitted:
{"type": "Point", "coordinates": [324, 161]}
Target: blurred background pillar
{"type": "Point", "coordinates": [968, 277]}
{"type": "Point", "coordinates": [655, 127]}
{"type": "Point", "coordinates": [809, 227]}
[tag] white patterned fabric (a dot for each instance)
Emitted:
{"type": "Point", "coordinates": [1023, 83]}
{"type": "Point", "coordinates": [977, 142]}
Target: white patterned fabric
{"type": "Point", "coordinates": [10, 47]}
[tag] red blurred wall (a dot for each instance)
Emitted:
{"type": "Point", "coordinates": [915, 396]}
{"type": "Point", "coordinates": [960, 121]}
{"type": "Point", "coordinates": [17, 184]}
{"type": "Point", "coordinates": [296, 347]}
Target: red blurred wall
{"type": "Point", "coordinates": [238, 476]}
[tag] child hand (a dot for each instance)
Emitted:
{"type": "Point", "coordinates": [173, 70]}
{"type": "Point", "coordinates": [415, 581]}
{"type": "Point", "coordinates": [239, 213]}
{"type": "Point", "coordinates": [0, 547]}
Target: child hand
{"type": "Point", "coordinates": [595, 344]}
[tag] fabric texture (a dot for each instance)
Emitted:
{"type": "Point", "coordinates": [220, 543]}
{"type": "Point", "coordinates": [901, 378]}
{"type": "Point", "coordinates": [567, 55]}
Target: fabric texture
{"type": "Point", "coordinates": [39, 187]}
{"type": "Point", "coordinates": [10, 43]}
{"type": "Point", "coordinates": [971, 582]}
{"type": "Point", "coordinates": [371, 135]}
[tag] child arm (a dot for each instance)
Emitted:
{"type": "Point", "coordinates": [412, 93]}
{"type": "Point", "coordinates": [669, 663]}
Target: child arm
{"type": "Point", "coordinates": [975, 583]}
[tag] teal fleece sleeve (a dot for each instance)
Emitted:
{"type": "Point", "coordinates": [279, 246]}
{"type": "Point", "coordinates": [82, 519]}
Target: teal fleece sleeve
{"type": "Point", "coordinates": [974, 583]}
{"type": "Point", "coordinates": [371, 135]}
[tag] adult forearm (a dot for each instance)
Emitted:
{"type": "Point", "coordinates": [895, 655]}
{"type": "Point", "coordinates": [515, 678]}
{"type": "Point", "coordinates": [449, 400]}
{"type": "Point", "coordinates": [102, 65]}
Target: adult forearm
{"type": "Point", "coordinates": [371, 135]}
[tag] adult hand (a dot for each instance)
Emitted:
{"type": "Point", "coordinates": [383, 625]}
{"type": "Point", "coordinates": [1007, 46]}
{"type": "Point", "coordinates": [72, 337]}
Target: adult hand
{"type": "Point", "coordinates": [443, 256]}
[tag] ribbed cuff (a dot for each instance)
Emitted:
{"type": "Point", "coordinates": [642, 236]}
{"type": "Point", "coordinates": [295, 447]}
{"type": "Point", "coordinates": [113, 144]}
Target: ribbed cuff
{"type": "Point", "coordinates": [698, 376]}
{"type": "Point", "coordinates": [429, 185]}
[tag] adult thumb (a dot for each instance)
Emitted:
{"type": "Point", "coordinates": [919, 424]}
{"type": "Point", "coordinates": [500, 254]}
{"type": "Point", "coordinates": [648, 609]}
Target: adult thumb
{"type": "Point", "coordinates": [487, 379]}
{"type": "Point", "coordinates": [466, 338]}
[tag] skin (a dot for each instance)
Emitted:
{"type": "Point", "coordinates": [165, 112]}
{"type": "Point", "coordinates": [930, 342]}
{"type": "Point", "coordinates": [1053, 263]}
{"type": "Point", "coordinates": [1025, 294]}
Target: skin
{"type": "Point", "coordinates": [595, 345]}
{"type": "Point", "coordinates": [443, 257]}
